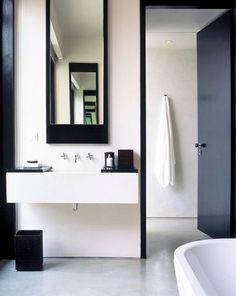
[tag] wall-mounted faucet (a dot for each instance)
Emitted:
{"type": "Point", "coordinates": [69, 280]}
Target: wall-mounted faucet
{"type": "Point", "coordinates": [77, 157]}
{"type": "Point", "coordinates": [64, 156]}
{"type": "Point", "coordinates": [89, 156]}
{"type": "Point", "coordinates": [75, 207]}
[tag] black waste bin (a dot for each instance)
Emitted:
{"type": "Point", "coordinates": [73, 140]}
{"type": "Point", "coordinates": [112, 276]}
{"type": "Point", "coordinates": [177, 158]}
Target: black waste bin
{"type": "Point", "coordinates": [29, 250]}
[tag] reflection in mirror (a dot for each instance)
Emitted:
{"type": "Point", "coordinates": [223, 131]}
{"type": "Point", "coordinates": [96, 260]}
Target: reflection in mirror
{"type": "Point", "coordinates": [77, 62]}
{"type": "Point", "coordinates": [83, 93]}
{"type": "Point", "coordinates": [90, 107]}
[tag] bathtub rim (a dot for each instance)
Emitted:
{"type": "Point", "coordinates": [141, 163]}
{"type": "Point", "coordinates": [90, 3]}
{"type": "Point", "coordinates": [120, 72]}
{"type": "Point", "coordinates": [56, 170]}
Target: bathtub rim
{"type": "Point", "coordinates": [180, 261]}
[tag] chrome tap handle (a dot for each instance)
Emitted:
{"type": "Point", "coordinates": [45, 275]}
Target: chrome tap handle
{"type": "Point", "coordinates": [89, 156]}
{"type": "Point", "coordinates": [64, 156]}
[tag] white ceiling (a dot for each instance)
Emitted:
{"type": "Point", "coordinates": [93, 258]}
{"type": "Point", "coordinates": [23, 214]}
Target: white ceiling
{"type": "Point", "coordinates": [180, 40]}
{"type": "Point", "coordinates": [179, 20]}
{"type": "Point", "coordinates": [79, 17]}
{"type": "Point", "coordinates": [172, 24]}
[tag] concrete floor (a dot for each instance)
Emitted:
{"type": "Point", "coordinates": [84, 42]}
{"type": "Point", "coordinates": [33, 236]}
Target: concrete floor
{"type": "Point", "coordinates": [108, 277]}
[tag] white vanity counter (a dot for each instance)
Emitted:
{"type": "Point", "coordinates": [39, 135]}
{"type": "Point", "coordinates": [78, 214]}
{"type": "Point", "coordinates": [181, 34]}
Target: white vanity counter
{"type": "Point", "coordinates": [73, 187]}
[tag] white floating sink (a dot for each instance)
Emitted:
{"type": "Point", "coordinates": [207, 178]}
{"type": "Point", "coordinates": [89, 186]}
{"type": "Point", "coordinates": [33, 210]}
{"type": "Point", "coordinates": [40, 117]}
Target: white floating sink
{"type": "Point", "coordinates": [73, 187]}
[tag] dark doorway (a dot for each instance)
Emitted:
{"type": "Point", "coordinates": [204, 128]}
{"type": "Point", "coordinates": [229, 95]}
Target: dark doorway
{"type": "Point", "coordinates": [167, 5]}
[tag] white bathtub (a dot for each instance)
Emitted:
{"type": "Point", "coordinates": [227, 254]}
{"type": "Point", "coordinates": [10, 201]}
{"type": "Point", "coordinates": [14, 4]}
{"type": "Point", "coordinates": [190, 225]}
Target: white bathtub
{"type": "Point", "coordinates": [206, 268]}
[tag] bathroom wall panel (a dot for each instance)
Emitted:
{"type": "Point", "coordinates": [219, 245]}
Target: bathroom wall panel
{"type": "Point", "coordinates": [173, 72]}
{"type": "Point", "coordinates": [116, 234]}
{"type": "Point", "coordinates": [92, 231]}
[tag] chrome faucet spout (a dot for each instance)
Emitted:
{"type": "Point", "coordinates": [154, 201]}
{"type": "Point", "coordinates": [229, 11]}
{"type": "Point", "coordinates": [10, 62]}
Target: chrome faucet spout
{"type": "Point", "coordinates": [75, 207]}
{"type": "Point", "coordinates": [77, 157]}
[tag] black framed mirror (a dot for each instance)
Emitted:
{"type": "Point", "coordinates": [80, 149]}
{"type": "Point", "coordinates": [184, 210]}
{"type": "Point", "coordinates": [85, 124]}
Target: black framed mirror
{"type": "Point", "coordinates": [76, 71]}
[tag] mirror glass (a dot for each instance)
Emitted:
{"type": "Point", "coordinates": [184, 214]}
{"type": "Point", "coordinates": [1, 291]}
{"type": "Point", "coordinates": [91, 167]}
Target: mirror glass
{"type": "Point", "coordinates": [77, 62]}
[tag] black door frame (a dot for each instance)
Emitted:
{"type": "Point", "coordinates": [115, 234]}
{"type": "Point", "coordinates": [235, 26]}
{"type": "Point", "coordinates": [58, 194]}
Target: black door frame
{"type": "Point", "coordinates": [7, 127]}
{"type": "Point", "coordinates": [165, 4]}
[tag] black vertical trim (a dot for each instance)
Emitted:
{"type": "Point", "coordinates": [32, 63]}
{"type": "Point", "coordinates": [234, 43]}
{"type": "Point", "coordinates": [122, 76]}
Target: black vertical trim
{"type": "Point", "coordinates": [98, 98]}
{"type": "Point", "coordinates": [105, 69]}
{"type": "Point", "coordinates": [72, 106]}
{"type": "Point", "coordinates": [233, 116]}
{"type": "Point", "coordinates": [143, 127]}
{"type": "Point", "coordinates": [7, 143]}
{"type": "Point", "coordinates": [49, 104]}
{"type": "Point", "coordinates": [72, 99]}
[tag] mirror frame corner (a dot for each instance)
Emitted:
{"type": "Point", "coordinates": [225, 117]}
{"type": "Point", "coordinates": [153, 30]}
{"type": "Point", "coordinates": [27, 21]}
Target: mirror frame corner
{"type": "Point", "coordinates": [77, 133]}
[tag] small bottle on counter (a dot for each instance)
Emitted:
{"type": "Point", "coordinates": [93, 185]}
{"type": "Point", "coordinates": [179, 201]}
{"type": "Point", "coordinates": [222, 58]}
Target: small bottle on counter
{"type": "Point", "coordinates": [109, 164]}
{"type": "Point", "coordinates": [109, 161]}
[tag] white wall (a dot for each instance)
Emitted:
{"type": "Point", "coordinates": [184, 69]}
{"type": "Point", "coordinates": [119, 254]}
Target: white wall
{"type": "Point", "coordinates": [173, 72]}
{"type": "Point", "coordinates": [96, 230]}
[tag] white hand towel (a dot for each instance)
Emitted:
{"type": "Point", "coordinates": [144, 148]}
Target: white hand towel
{"type": "Point", "coordinates": [165, 154]}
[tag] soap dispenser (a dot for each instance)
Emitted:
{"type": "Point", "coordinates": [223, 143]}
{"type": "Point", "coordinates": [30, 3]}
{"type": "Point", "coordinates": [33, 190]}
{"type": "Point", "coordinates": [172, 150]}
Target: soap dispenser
{"type": "Point", "coordinates": [109, 161]}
